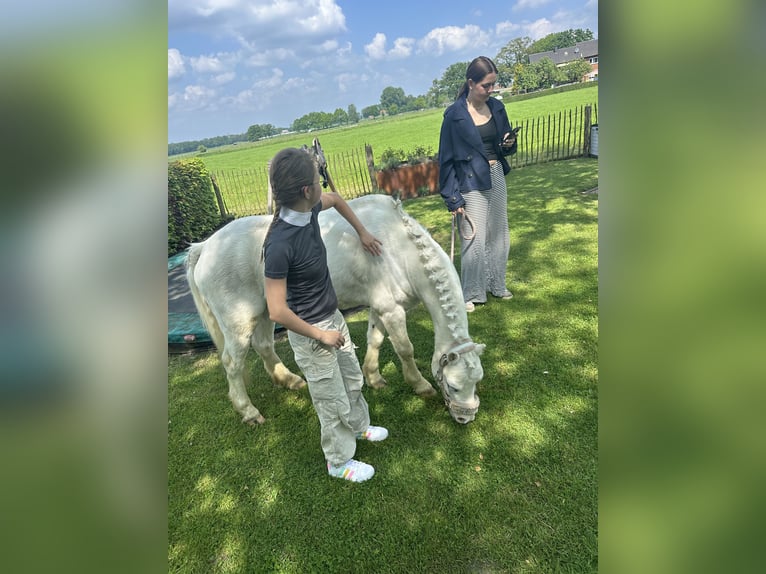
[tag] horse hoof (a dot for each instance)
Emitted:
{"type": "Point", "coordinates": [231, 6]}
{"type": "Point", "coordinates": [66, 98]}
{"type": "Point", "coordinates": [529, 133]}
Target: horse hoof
{"type": "Point", "coordinates": [426, 392]}
{"type": "Point", "coordinates": [295, 385]}
{"type": "Point", "coordinates": [255, 421]}
{"type": "Point", "coordinates": [379, 383]}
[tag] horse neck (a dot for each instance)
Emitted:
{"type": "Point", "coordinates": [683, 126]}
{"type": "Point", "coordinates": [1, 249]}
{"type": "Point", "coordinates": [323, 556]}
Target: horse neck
{"type": "Point", "coordinates": [438, 287]}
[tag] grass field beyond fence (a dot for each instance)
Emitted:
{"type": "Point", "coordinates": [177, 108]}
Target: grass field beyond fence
{"type": "Point", "coordinates": [513, 492]}
{"type": "Point", "coordinates": [552, 129]}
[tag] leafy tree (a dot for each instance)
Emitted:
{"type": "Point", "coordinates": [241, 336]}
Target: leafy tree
{"type": "Point", "coordinates": [525, 78]}
{"type": "Point", "coordinates": [393, 100]}
{"type": "Point", "coordinates": [339, 117]}
{"type": "Point", "coordinates": [419, 103]}
{"type": "Point", "coordinates": [560, 40]}
{"type": "Point", "coordinates": [372, 111]}
{"type": "Point", "coordinates": [514, 52]}
{"type": "Point", "coordinates": [353, 115]}
{"type": "Point", "coordinates": [445, 89]}
{"type": "Point", "coordinates": [575, 70]}
{"type": "Point", "coordinates": [201, 149]}
{"type": "Point", "coordinates": [548, 74]}
{"type": "Point", "coordinates": [260, 131]}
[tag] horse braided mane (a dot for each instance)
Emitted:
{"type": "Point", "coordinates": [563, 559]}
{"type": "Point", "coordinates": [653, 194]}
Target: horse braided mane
{"type": "Point", "coordinates": [434, 264]}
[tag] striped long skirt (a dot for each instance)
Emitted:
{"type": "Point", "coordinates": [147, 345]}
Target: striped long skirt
{"type": "Point", "coordinates": [484, 258]}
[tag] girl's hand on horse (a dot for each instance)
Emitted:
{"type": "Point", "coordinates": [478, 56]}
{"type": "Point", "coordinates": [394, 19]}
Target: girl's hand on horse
{"type": "Point", "coordinates": [370, 243]}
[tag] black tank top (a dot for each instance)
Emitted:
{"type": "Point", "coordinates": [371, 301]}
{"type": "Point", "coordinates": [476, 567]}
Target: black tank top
{"type": "Point", "coordinates": [488, 134]}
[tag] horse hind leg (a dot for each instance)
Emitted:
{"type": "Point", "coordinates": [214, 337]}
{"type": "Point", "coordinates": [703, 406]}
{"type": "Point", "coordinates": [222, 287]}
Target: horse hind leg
{"type": "Point", "coordinates": [233, 359]}
{"type": "Point", "coordinates": [262, 340]}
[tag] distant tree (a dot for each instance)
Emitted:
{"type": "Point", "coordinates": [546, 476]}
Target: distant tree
{"type": "Point", "coordinates": [514, 52]}
{"type": "Point", "coordinates": [417, 103]}
{"type": "Point", "coordinates": [393, 100]}
{"type": "Point", "coordinates": [260, 131]}
{"type": "Point", "coordinates": [560, 40]}
{"type": "Point", "coordinates": [372, 111]}
{"type": "Point", "coordinates": [340, 116]}
{"type": "Point", "coordinates": [548, 74]}
{"type": "Point", "coordinates": [575, 70]}
{"type": "Point", "coordinates": [201, 149]}
{"type": "Point", "coordinates": [525, 78]}
{"type": "Point", "coordinates": [445, 89]}
{"type": "Point", "coordinates": [353, 115]}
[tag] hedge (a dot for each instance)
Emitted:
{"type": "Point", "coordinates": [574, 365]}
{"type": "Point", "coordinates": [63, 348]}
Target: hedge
{"type": "Point", "coordinates": [192, 210]}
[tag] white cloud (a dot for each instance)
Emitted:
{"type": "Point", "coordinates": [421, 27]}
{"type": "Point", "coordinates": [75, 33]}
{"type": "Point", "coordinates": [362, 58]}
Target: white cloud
{"type": "Point", "coordinates": [525, 4]}
{"type": "Point", "coordinates": [260, 24]}
{"type": "Point", "coordinates": [269, 57]}
{"type": "Point", "coordinates": [197, 97]}
{"type": "Point", "coordinates": [506, 29]}
{"type": "Point", "coordinates": [453, 39]}
{"type": "Point", "coordinates": [348, 81]}
{"type": "Point", "coordinates": [206, 64]}
{"type": "Point", "coordinates": [540, 28]}
{"type": "Point", "coordinates": [176, 66]}
{"type": "Point", "coordinates": [224, 78]}
{"type": "Point", "coordinates": [377, 48]}
{"type": "Point", "coordinates": [402, 48]}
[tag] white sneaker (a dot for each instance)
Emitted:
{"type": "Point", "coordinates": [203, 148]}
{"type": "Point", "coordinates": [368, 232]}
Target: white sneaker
{"type": "Point", "coordinates": [352, 470]}
{"type": "Point", "coordinates": [470, 307]}
{"type": "Point", "coordinates": [373, 434]}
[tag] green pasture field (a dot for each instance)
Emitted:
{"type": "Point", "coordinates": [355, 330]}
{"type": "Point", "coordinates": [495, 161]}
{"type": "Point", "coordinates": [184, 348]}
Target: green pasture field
{"type": "Point", "coordinates": [405, 131]}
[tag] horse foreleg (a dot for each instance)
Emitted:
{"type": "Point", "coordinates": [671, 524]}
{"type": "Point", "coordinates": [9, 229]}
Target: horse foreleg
{"type": "Point", "coordinates": [395, 322]}
{"type": "Point", "coordinates": [262, 341]}
{"type": "Point", "coordinates": [233, 359]}
{"type": "Point", "coordinates": [371, 367]}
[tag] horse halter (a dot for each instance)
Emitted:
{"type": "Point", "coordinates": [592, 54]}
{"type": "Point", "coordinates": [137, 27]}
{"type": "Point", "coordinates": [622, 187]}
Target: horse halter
{"type": "Point", "coordinates": [452, 356]}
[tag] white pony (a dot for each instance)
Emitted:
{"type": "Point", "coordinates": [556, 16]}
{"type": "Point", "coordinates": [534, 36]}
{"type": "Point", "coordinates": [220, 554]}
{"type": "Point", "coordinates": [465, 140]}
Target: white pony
{"type": "Point", "coordinates": [225, 275]}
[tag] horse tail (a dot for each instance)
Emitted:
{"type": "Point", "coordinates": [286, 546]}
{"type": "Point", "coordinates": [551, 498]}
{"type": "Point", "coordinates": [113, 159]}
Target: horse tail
{"type": "Point", "coordinates": [205, 312]}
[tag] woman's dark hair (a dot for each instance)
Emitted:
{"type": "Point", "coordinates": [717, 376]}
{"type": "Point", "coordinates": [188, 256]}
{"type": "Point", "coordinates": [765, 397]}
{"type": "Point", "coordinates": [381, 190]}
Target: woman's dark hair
{"type": "Point", "coordinates": [291, 170]}
{"type": "Point", "coordinates": [476, 70]}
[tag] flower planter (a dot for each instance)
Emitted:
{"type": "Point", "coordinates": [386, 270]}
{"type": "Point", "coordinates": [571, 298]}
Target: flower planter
{"type": "Point", "coordinates": [410, 180]}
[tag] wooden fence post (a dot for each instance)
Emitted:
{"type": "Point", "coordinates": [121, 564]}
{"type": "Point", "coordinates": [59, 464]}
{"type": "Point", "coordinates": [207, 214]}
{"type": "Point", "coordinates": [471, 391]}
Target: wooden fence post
{"type": "Point", "coordinates": [219, 198]}
{"type": "Point", "coordinates": [586, 125]}
{"type": "Point", "coordinates": [371, 167]}
{"type": "Point", "coordinates": [268, 190]}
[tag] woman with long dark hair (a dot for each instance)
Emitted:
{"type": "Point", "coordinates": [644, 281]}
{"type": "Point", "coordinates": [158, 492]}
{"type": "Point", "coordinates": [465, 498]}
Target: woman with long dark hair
{"type": "Point", "coordinates": [474, 140]}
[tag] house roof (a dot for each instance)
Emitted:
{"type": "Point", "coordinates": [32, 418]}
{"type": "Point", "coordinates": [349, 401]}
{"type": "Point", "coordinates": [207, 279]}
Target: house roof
{"type": "Point", "coordinates": [586, 49]}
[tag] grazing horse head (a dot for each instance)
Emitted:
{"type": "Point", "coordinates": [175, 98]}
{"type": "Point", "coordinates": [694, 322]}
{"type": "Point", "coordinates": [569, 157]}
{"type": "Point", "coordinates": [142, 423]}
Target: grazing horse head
{"type": "Point", "coordinates": [457, 371]}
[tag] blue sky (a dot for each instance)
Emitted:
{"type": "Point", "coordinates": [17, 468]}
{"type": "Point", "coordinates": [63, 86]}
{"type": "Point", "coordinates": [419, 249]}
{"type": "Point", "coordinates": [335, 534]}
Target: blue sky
{"type": "Point", "coordinates": [235, 63]}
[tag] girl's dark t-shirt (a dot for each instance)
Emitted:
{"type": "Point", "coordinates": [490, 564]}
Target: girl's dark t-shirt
{"type": "Point", "coordinates": [298, 254]}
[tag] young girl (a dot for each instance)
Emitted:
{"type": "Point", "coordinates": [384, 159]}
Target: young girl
{"type": "Point", "coordinates": [301, 298]}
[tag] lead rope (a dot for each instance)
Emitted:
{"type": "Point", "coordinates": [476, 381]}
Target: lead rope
{"type": "Point", "coordinates": [452, 240]}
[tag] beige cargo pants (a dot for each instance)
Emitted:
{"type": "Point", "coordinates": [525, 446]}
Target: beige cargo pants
{"type": "Point", "coordinates": [335, 384]}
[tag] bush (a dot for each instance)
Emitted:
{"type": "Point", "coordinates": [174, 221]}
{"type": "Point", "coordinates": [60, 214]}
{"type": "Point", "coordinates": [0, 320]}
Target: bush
{"type": "Point", "coordinates": [192, 209]}
{"type": "Point", "coordinates": [392, 158]}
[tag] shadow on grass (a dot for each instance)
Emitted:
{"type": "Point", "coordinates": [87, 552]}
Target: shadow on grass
{"type": "Point", "coordinates": [514, 491]}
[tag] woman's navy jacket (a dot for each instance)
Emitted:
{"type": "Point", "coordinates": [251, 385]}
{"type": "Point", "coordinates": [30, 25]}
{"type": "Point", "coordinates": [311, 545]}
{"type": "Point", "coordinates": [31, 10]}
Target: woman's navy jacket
{"type": "Point", "coordinates": [463, 164]}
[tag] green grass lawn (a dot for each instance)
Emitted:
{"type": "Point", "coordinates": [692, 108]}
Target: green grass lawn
{"type": "Point", "coordinates": [405, 131]}
{"type": "Point", "coordinates": [514, 491]}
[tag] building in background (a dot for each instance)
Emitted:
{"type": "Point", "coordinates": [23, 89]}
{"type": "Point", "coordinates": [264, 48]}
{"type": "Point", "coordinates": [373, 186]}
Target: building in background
{"type": "Point", "coordinates": [587, 51]}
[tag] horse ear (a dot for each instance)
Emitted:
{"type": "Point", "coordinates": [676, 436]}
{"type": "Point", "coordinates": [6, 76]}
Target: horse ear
{"type": "Point", "coordinates": [480, 348]}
